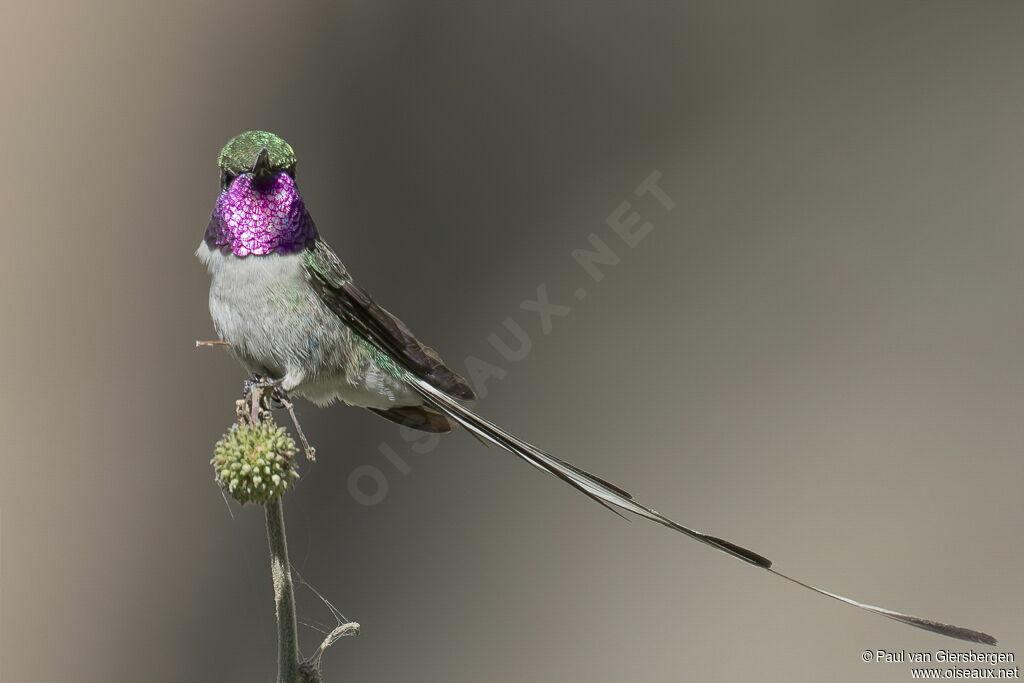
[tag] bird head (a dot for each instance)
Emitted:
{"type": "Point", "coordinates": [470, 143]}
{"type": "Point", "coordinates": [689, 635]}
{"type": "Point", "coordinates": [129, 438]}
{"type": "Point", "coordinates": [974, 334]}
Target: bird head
{"type": "Point", "coordinates": [259, 210]}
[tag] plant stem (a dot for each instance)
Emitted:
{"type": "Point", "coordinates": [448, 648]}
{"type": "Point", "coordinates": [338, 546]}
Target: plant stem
{"type": "Point", "coordinates": [284, 597]}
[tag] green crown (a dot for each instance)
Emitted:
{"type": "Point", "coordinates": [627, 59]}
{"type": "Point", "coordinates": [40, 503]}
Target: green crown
{"type": "Point", "coordinates": [239, 155]}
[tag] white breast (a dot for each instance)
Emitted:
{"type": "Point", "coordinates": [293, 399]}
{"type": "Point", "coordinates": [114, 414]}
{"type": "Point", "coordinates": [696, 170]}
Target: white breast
{"type": "Point", "coordinates": [263, 307]}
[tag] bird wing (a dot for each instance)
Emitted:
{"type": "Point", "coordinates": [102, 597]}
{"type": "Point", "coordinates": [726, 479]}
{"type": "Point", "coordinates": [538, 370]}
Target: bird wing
{"type": "Point", "coordinates": [358, 310]}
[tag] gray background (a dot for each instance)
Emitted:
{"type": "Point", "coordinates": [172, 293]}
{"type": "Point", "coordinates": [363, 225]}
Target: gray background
{"type": "Point", "coordinates": [818, 354]}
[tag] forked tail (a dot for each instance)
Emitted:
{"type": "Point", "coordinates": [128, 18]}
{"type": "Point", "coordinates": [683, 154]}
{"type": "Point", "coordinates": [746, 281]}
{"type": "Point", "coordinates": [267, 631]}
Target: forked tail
{"type": "Point", "coordinates": [615, 499]}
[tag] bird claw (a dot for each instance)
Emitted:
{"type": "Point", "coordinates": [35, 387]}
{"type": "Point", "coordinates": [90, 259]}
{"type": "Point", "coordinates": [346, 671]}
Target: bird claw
{"type": "Point", "coordinates": [277, 397]}
{"type": "Point", "coordinates": [258, 382]}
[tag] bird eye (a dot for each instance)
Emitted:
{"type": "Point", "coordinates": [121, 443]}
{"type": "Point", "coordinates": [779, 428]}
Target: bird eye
{"type": "Point", "coordinates": [226, 179]}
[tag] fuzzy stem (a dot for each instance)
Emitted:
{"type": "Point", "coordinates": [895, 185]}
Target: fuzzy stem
{"type": "Point", "coordinates": [284, 598]}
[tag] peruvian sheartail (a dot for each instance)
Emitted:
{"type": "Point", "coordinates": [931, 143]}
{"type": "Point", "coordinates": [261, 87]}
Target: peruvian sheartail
{"type": "Point", "coordinates": [292, 314]}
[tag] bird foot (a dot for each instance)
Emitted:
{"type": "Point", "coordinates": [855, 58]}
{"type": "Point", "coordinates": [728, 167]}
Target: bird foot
{"type": "Point", "coordinates": [254, 391]}
{"type": "Point", "coordinates": [258, 382]}
{"type": "Point", "coordinates": [256, 398]}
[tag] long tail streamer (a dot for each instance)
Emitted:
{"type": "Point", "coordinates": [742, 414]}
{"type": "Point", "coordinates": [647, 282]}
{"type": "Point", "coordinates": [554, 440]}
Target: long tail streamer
{"type": "Point", "coordinates": [614, 498]}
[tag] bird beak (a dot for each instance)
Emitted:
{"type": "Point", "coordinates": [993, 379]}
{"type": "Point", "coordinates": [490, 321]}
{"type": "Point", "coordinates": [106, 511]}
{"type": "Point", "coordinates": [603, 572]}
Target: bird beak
{"type": "Point", "coordinates": [261, 169]}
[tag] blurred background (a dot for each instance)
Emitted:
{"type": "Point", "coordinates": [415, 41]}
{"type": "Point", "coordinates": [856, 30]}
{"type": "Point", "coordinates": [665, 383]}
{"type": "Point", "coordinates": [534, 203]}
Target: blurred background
{"type": "Point", "coordinates": [818, 353]}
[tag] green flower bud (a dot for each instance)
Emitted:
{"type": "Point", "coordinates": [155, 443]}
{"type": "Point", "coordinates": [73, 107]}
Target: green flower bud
{"type": "Point", "coordinates": [255, 463]}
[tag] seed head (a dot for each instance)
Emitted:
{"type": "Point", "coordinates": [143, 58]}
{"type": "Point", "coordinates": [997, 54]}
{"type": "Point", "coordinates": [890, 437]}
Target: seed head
{"type": "Point", "coordinates": [255, 463]}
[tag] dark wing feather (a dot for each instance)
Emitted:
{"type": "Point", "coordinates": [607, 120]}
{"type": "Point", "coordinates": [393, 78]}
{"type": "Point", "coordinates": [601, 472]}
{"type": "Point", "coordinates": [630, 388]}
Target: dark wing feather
{"type": "Point", "coordinates": [352, 304]}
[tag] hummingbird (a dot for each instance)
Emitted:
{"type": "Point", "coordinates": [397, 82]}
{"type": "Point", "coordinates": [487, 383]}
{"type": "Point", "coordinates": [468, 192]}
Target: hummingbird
{"type": "Point", "coordinates": [290, 312]}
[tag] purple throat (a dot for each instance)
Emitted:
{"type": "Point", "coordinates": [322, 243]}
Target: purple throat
{"type": "Point", "coordinates": [259, 217]}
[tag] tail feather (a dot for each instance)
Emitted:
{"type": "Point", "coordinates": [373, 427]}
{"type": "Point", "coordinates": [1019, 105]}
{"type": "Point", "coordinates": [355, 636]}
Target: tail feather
{"type": "Point", "coordinates": [614, 498]}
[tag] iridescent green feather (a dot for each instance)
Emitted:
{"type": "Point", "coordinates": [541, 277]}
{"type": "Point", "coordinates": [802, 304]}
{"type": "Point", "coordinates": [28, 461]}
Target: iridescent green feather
{"type": "Point", "coordinates": [325, 265]}
{"type": "Point", "coordinates": [239, 155]}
